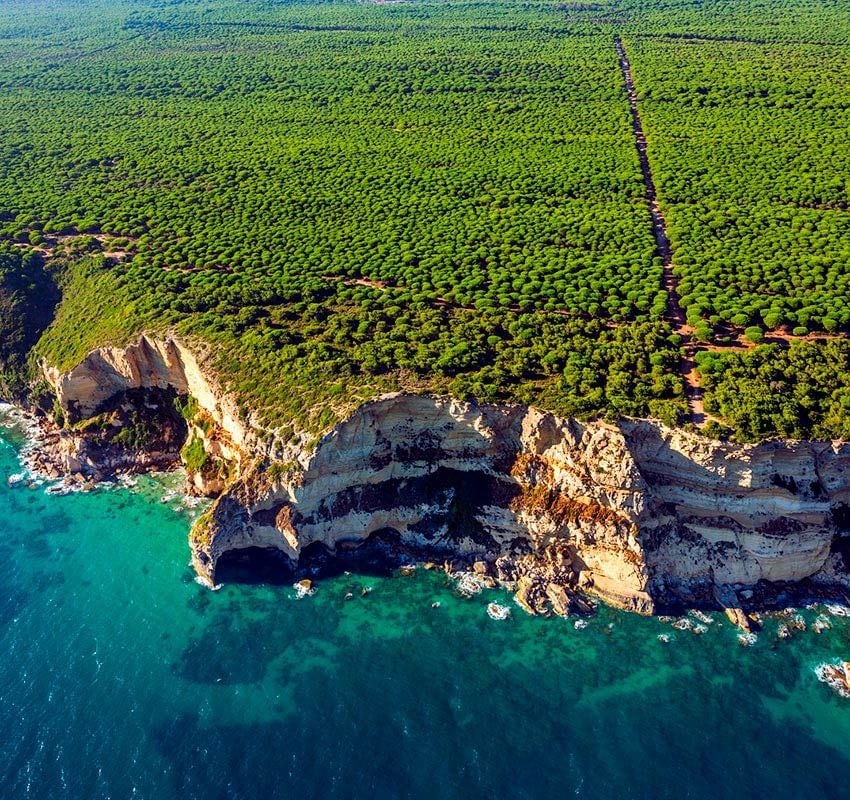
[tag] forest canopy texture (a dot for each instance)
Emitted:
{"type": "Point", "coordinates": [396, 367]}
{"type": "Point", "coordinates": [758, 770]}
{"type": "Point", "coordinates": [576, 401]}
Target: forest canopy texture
{"type": "Point", "coordinates": [339, 199]}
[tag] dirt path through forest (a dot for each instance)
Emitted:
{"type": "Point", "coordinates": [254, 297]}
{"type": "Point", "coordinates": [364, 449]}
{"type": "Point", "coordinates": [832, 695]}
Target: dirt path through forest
{"type": "Point", "coordinates": [669, 281]}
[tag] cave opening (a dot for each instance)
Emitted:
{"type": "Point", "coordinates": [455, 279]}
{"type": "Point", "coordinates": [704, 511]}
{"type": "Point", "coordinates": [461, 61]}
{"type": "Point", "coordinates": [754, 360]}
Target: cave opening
{"type": "Point", "coordinates": [841, 515]}
{"type": "Point", "coordinates": [455, 499]}
{"type": "Point", "coordinates": [254, 565]}
{"type": "Point", "coordinates": [841, 545]}
{"type": "Point", "coordinates": [139, 419]}
{"type": "Point", "coordinates": [379, 555]}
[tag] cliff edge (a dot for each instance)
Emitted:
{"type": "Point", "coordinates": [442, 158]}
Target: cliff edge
{"type": "Point", "coordinates": [637, 513]}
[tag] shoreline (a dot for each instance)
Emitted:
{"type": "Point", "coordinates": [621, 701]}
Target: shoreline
{"type": "Point", "coordinates": [470, 580]}
{"type": "Point", "coordinates": [29, 432]}
{"type": "Point", "coordinates": [643, 516]}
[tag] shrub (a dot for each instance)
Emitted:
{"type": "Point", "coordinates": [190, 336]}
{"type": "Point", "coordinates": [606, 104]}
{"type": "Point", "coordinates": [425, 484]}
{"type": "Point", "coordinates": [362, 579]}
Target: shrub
{"type": "Point", "coordinates": [754, 334]}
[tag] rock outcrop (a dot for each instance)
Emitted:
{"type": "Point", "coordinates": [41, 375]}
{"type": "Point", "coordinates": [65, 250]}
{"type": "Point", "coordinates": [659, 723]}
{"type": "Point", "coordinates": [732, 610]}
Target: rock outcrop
{"type": "Point", "coordinates": [635, 512]}
{"type": "Point", "coordinates": [148, 363]}
{"type": "Point", "coordinates": [136, 430]}
{"type": "Point", "coordinates": [120, 416]}
{"type": "Point", "coordinates": [837, 676]}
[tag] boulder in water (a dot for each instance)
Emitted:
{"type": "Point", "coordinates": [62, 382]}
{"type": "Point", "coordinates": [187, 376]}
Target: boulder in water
{"type": "Point", "coordinates": [837, 676]}
{"type": "Point", "coordinates": [558, 598]}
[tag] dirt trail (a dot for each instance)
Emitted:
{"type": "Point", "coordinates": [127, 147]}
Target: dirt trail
{"type": "Point", "coordinates": [58, 244]}
{"type": "Point", "coordinates": [669, 281]}
{"type": "Point", "coordinates": [659, 227]}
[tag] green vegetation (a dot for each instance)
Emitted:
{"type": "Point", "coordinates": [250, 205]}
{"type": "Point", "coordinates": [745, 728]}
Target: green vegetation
{"type": "Point", "coordinates": [27, 297]}
{"type": "Point", "coordinates": [749, 149]}
{"type": "Point", "coordinates": [282, 470]}
{"type": "Point", "coordinates": [249, 163]}
{"type": "Point", "coordinates": [337, 199]}
{"type": "Point", "coordinates": [194, 456]}
{"type": "Point", "coordinates": [187, 406]}
{"type": "Point", "coordinates": [314, 362]}
{"type": "Point", "coordinates": [800, 391]}
{"type": "Point", "coordinates": [134, 435]}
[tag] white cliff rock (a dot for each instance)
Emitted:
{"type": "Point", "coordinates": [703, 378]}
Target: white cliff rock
{"type": "Point", "coordinates": [150, 363]}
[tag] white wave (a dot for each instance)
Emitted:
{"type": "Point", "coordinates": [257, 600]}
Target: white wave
{"type": "Point", "coordinates": [821, 624]}
{"type": "Point", "coordinates": [60, 489]}
{"type": "Point", "coordinates": [838, 611]}
{"type": "Point", "coordinates": [683, 624]}
{"type": "Point", "coordinates": [495, 611]}
{"type": "Point", "coordinates": [834, 676]}
{"type": "Point", "coordinates": [303, 590]}
{"type": "Point", "coordinates": [468, 583]}
{"type": "Point", "coordinates": [664, 637]}
{"type": "Point", "coordinates": [580, 624]}
{"type": "Point", "coordinates": [213, 587]}
{"type": "Point", "coordinates": [747, 639]}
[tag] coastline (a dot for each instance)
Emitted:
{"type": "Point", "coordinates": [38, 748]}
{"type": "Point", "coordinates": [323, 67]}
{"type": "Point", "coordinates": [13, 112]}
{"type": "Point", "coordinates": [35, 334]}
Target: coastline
{"type": "Point", "coordinates": [806, 613]}
{"type": "Point", "coordinates": [640, 515]}
{"type": "Point", "coordinates": [814, 627]}
{"type": "Point", "coordinates": [30, 436]}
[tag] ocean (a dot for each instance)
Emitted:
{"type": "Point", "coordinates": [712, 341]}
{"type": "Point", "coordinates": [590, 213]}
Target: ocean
{"type": "Point", "coordinates": [121, 677]}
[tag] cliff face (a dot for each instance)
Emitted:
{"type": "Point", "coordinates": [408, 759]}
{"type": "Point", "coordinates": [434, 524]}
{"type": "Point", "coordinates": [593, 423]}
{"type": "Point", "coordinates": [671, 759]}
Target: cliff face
{"type": "Point", "coordinates": [150, 363]}
{"type": "Point", "coordinates": [739, 514]}
{"type": "Point", "coordinates": [449, 478]}
{"type": "Point", "coordinates": [134, 387]}
{"type": "Point", "coordinates": [635, 512]}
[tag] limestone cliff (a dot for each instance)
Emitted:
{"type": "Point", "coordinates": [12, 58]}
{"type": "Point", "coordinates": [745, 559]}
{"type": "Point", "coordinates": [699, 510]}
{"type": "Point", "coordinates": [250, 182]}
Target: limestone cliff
{"type": "Point", "coordinates": [149, 363]}
{"type": "Point", "coordinates": [635, 512]}
{"type": "Point", "coordinates": [134, 388]}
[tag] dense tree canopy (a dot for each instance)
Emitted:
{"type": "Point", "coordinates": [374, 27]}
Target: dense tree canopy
{"type": "Point", "coordinates": [344, 197]}
{"type": "Point", "coordinates": [801, 391]}
{"type": "Point", "coordinates": [27, 298]}
{"type": "Point", "coordinates": [749, 149]}
{"type": "Point", "coordinates": [486, 167]}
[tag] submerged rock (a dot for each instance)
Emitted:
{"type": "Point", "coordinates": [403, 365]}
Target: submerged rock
{"type": "Point", "coordinates": [821, 624]}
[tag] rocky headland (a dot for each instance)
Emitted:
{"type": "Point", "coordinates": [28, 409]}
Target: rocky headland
{"type": "Point", "coordinates": [638, 514]}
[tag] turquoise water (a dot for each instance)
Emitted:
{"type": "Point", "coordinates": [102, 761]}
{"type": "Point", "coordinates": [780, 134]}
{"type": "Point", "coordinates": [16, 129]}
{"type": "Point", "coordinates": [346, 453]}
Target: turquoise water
{"type": "Point", "coordinates": [121, 677]}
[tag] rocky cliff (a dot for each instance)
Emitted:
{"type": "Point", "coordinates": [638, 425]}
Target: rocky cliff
{"type": "Point", "coordinates": [148, 363]}
{"type": "Point", "coordinates": [119, 414]}
{"type": "Point", "coordinates": [634, 512]}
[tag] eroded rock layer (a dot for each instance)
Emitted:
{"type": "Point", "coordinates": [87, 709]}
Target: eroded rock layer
{"type": "Point", "coordinates": [634, 512]}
